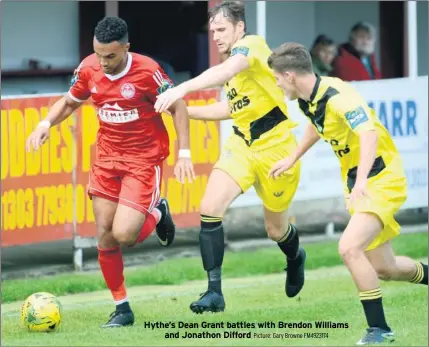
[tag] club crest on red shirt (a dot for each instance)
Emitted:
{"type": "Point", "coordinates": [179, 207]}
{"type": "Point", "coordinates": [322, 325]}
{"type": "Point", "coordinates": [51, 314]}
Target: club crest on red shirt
{"type": "Point", "coordinates": [128, 90]}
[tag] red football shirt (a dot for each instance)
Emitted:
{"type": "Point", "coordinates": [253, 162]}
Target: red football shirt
{"type": "Point", "coordinates": [130, 129]}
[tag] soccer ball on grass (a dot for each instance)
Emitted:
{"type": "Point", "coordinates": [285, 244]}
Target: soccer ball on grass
{"type": "Point", "coordinates": [41, 312]}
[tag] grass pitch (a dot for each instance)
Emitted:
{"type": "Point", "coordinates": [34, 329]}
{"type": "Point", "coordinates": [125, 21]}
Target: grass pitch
{"type": "Point", "coordinates": [177, 271]}
{"type": "Point", "coordinates": [328, 295]}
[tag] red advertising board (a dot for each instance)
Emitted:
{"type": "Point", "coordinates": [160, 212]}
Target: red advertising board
{"type": "Point", "coordinates": [43, 191]}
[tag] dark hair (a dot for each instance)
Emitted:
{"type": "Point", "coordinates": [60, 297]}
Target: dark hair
{"type": "Point", "coordinates": [323, 40]}
{"type": "Point", "coordinates": [291, 56]}
{"type": "Point", "coordinates": [111, 29]}
{"type": "Point", "coordinates": [233, 10]}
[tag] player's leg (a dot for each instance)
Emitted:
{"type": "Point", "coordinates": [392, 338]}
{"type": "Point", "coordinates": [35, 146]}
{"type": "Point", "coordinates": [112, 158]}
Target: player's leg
{"type": "Point", "coordinates": [221, 190]}
{"type": "Point", "coordinates": [371, 226]}
{"type": "Point", "coordinates": [232, 175]}
{"type": "Point", "coordinates": [286, 235]}
{"type": "Point", "coordinates": [140, 192]}
{"type": "Point", "coordinates": [396, 268]}
{"type": "Point", "coordinates": [277, 196]}
{"type": "Point", "coordinates": [104, 189]}
{"type": "Point", "coordinates": [112, 181]}
{"type": "Point", "coordinates": [135, 219]}
{"type": "Point", "coordinates": [361, 230]}
{"type": "Point", "coordinates": [111, 262]}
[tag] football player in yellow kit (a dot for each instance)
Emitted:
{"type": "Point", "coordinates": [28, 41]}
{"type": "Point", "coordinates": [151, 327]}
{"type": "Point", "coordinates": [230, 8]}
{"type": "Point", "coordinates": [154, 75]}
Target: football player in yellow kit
{"type": "Point", "coordinates": [373, 177]}
{"type": "Point", "coordinates": [261, 136]}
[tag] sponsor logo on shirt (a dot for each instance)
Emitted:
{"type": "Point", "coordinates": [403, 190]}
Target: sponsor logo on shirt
{"type": "Point", "coordinates": [164, 86]}
{"type": "Point", "coordinates": [240, 50]}
{"type": "Point", "coordinates": [75, 77]}
{"type": "Point", "coordinates": [163, 83]}
{"type": "Point", "coordinates": [128, 90]}
{"type": "Point", "coordinates": [116, 114]}
{"type": "Point", "coordinates": [356, 117]}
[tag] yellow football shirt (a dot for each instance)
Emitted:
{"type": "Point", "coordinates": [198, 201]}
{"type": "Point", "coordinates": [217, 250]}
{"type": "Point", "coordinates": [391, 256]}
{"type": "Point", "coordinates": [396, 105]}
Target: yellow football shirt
{"type": "Point", "coordinates": [339, 113]}
{"type": "Point", "coordinates": [256, 103]}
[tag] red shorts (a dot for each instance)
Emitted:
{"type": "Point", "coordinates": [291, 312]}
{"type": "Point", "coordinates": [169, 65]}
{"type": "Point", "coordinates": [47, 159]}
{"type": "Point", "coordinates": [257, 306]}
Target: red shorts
{"type": "Point", "coordinates": [135, 185]}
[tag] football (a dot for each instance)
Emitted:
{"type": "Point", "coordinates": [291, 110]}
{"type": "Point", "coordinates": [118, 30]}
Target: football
{"type": "Point", "coordinates": [41, 312]}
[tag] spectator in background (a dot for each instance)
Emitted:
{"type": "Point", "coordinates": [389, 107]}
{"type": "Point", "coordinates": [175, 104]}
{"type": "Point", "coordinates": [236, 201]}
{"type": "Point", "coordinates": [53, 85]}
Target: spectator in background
{"type": "Point", "coordinates": [323, 53]}
{"type": "Point", "coordinates": [356, 59]}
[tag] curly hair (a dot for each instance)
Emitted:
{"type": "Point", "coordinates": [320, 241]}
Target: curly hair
{"type": "Point", "coordinates": [111, 29]}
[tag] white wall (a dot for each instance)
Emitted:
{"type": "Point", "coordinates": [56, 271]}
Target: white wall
{"type": "Point", "coordinates": [290, 21]}
{"type": "Point", "coordinates": [46, 31]}
{"type": "Point", "coordinates": [250, 7]}
{"type": "Point", "coordinates": [35, 85]}
{"type": "Point", "coordinates": [49, 31]}
{"type": "Point", "coordinates": [283, 19]}
{"type": "Point", "coordinates": [43, 30]}
{"type": "Point", "coordinates": [422, 37]}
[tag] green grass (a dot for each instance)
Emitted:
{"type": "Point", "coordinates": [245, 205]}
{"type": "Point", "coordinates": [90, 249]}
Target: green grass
{"type": "Point", "coordinates": [176, 271]}
{"type": "Point", "coordinates": [328, 295]}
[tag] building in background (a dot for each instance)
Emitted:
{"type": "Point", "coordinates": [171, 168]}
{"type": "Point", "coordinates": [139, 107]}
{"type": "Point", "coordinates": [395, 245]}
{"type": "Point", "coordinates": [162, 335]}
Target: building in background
{"type": "Point", "coordinates": [41, 58]}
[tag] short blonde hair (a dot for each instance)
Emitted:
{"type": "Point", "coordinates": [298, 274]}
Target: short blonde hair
{"type": "Point", "coordinates": [291, 56]}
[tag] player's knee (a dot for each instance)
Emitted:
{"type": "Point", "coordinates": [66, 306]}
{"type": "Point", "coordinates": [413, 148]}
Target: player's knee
{"type": "Point", "coordinates": [274, 231]}
{"type": "Point", "coordinates": [210, 208]}
{"type": "Point", "coordinates": [349, 253]}
{"type": "Point", "coordinates": [385, 273]}
{"type": "Point", "coordinates": [124, 236]}
{"type": "Point", "coordinates": [105, 237]}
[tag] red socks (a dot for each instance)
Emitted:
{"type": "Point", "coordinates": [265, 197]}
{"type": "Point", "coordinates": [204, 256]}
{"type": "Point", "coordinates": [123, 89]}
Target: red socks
{"type": "Point", "coordinates": [148, 226]}
{"type": "Point", "coordinates": [112, 267]}
{"type": "Point", "coordinates": [112, 264]}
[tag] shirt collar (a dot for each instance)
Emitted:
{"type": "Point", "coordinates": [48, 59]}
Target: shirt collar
{"type": "Point", "coordinates": [316, 88]}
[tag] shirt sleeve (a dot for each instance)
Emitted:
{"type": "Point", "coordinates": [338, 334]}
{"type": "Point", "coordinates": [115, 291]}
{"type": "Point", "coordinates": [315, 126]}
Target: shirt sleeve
{"type": "Point", "coordinates": [79, 90]}
{"type": "Point", "coordinates": [157, 82]}
{"type": "Point", "coordinates": [354, 112]}
{"type": "Point", "coordinates": [245, 47]}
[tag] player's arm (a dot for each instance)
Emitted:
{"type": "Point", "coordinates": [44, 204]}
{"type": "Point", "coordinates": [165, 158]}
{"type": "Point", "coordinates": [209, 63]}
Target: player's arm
{"type": "Point", "coordinates": [216, 111]}
{"type": "Point", "coordinates": [181, 123]}
{"type": "Point", "coordinates": [184, 167]}
{"type": "Point", "coordinates": [368, 142]}
{"type": "Point", "coordinates": [61, 110]}
{"type": "Point", "coordinates": [310, 138]}
{"type": "Point", "coordinates": [215, 76]}
{"type": "Point", "coordinates": [356, 116]}
{"type": "Point", "coordinates": [155, 83]}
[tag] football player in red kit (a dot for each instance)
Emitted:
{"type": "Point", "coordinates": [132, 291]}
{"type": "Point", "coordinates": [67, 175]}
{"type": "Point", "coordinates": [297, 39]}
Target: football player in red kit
{"type": "Point", "coordinates": [132, 143]}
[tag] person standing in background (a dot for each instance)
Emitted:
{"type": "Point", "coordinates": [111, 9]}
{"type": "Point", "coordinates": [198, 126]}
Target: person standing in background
{"type": "Point", "coordinates": [356, 59]}
{"type": "Point", "coordinates": [323, 53]}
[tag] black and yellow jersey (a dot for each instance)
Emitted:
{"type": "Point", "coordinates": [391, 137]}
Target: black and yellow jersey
{"type": "Point", "coordinates": [339, 113]}
{"type": "Point", "coordinates": [256, 103]}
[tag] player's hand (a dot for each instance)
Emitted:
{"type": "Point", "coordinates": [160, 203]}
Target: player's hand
{"type": "Point", "coordinates": [184, 168]}
{"type": "Point", "coordinates": [358, 193]}
{"type": "Point", "coordinates": [281, 166]}
{"type": "Point", "coordinates": [37, 138]}
{"type": "Point", "coordinates": [168, 98]}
